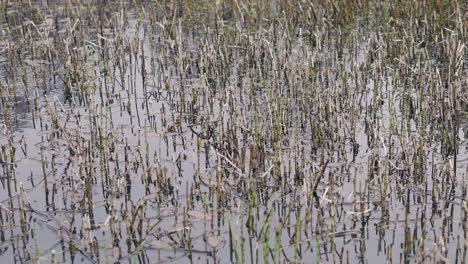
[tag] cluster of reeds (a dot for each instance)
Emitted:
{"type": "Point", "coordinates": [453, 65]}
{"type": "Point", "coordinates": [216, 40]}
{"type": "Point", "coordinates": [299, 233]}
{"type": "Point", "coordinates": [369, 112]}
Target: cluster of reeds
{"type": "Point", "coordinates": [233, 130]}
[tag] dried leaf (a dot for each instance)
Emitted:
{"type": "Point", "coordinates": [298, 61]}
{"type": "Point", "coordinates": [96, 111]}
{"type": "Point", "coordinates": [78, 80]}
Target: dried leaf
{"type": "Point", "coordinates": [213, 241]}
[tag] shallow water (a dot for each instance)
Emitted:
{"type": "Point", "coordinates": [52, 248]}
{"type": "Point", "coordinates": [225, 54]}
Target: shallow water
{"type": "Point", "coordinates": [193, 156]}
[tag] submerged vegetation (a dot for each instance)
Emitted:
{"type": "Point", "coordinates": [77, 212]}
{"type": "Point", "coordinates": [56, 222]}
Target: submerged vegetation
{"type": "Point", "coordinates": [239, 131]}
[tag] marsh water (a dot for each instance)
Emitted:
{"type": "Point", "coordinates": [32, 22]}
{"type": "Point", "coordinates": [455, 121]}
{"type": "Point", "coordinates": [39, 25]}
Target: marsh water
{"type": "Point", "coordinates": [233, 131]}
